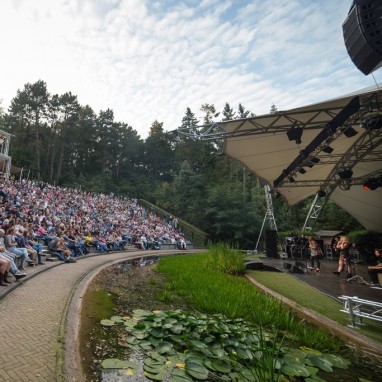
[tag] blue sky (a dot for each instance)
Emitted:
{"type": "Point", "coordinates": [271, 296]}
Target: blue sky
{"type": "Point", "coordinates": [149, 60]}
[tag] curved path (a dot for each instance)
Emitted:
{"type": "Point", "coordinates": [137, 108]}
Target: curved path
{"type": "Point", "coordinates": [34, 317]}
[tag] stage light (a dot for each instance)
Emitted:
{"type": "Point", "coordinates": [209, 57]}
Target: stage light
{"type": "Point", "coordinates": [295, 134]}
{"type": "Point", "coordinates": [373, 123]}
{"type": "Point", "coordinates": [372, 184]}
{"type": "Point", "coordinates": [321, 193]}
{"type": "Point", "coordinates": [345, 173]}
{"type": "Point", "coordinates": [328, 149]}
{"type": "Point", "coordinates": [302, 170]}
{"type": "Point", "coordinates": [350, 132]}
{"type": "Point", "coordinates": [314, 160]}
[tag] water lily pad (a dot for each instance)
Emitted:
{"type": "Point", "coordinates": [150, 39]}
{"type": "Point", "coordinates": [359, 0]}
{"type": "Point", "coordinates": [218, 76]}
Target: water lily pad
{"type": "Point", "coordinates": [295, 353]}
{"type": "Point", "coordinates": [114, 363]}
{"type": "Point", "coordinates": [165, 347]}
{"type": "Point", "coordinates": [107, 322]}
{"type": "Point", "coordinates": [295, 370]}
{"type": "Point", "coordinates": [321, 363]}
{"type": "Point", "coordinates": [196, 370]}
{"type": "Point", "coordinates": [157, 332]}
{"type": "Point", "coordinates": [141, 313]}
{"type": "Point", "coordinates": [117, 319]}
{"type": "Point", "coordinates": [310, 351]}
{"type": "Point", "coordinates": [337, 361]}
{"type": "Point", "coordinates": [145, 345]}
{"type": "Point", "coordinates": [177, 328]}
{"type": "Point", "coordinates": [139, 334]}
{"type": "Point", "coordinates": [156, 377]}
{"type": "Point", "coordinates": [221, 366]}
{"type": "Point", "coordinates": [180, 375]}
{"type": "Point", "coordinates": [158, 357]}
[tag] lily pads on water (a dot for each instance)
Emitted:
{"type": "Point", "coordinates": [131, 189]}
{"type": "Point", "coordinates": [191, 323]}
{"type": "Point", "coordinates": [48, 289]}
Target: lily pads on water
{"type": "Point", "coordinates": [114, 363]}
{"type": "Point", "coordinates": [180, 347]}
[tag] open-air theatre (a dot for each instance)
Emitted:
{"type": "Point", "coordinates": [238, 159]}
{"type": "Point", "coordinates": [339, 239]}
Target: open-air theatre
{"type": "Point", "coordinates": [332, 150]}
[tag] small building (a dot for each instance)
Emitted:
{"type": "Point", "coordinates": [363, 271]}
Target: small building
{"type": "Point", "coordinates": [326, 237]}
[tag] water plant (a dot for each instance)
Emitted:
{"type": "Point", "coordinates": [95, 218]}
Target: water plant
{"type": "Point", "coordinates": [213, 291]}
{"type": "Point", "coordinates": [223, 258]}
{"type": "Point", "coordinates": [183, 346]}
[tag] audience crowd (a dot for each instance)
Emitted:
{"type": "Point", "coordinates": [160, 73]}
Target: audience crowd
{"type": "Point", "coordinates": [69, 222]}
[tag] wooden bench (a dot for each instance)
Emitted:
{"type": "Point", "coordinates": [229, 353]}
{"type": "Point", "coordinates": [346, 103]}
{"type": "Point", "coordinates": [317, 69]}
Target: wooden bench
{"type": "Point", "coordinates": [358, 308]}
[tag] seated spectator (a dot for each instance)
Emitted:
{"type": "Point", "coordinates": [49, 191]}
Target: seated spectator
{"type": "Point", "coordinates": [4, 269]}
{"type": "Point", "coordinates": [10, 257]}
{"type": "Point", "coordinates": [376, 268]}
{"type": "Point", "coordinates": [73, 241]}
{"type": "Point", "coordinates": [58, 248]}
{"type": "Point", "coordinates": [12, 247]}
{"type": "Point", "coordinates": [42, 233]}
{"type": "Point", "coordinates": [29, 236]}
{"type": "Point", "coordinates": [181, 243]}
{"type": "Point", "coordinates": [23, 243]}
{"type": "Point", "coordinates": [101, 244]}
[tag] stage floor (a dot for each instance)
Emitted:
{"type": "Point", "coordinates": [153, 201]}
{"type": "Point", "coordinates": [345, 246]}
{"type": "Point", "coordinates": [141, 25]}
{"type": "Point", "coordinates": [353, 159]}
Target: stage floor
{"type": "Point", "coordinates": [328, 283]}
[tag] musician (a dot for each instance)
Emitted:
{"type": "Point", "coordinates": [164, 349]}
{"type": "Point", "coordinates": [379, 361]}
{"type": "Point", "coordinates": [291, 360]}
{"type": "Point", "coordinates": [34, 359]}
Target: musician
{"type": "Point", "coordinates": [314, 253]}
{"type": "Point", "coordinates": [344, 260]}
{"type": "Point", "coordinates": [373, 270]}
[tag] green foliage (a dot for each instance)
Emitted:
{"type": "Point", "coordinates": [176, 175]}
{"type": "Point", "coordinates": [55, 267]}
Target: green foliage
{"type": "Point", "coordinates": [225, 259]}
{"type": "Point", "coordinates": [184, 346]}
{"type": "Point", "coordinates": [366, 240]}
{"type": "Point", "coordinates": [213, 291]}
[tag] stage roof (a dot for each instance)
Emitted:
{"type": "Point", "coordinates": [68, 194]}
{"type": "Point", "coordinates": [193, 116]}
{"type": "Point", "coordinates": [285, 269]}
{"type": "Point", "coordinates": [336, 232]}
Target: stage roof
{"type": "Point", "coordinates": [351, 126]}
{"type": "Point", "coordinates": [263, 146]}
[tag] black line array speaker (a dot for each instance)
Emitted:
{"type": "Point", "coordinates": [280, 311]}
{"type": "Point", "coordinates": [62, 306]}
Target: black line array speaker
{"type": "Point", "coordinates": [362, 32]}
{"type": "Point", "coordinates": [271, 243]}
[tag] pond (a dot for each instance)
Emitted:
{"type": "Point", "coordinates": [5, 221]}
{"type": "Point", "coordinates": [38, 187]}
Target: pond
{"type": "Point", "coordinates": [121, 289]}
{"type": "Point", "coordinates": [118, 290]}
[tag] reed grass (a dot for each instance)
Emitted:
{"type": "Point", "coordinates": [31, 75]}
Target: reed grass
{"type": "Point", "coordinates": [201, 279]}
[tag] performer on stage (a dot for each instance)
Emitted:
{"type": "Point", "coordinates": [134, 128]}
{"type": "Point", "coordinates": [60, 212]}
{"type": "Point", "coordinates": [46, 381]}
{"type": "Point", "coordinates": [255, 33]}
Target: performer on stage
{"type": "Point", "coordinates": [314, 253]}
{"type": "Point", "coordinates": [373, 270]}
{"type": "Point", "coordinates": [343, 247]}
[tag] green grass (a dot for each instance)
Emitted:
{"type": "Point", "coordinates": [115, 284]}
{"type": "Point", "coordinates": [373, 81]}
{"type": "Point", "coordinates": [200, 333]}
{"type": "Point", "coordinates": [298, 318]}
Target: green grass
{"type": "Point", "coordinates": [308, 297]}
{"type": "Point", "coordinates": [213, 291]}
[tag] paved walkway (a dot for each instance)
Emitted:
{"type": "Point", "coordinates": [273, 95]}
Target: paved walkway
{"type": "Point", "coordinates": [33, 317]}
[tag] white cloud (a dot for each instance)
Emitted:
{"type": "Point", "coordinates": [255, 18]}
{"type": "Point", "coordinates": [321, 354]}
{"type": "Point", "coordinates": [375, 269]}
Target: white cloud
{"type": "Point", "coordinates": [150, 60]}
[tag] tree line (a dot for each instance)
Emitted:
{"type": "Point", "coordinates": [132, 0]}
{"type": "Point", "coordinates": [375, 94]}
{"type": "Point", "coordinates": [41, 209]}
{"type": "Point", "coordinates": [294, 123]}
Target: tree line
{"type": "Point", "coordinates": [64, 143]}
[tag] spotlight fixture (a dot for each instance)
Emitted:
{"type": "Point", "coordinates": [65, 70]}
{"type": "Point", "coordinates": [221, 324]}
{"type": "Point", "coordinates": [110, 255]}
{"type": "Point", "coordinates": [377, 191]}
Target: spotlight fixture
{"type": "Point", "coordinates": [372, 184]}
{"type": "Point", "coordinates": [314, 160]}
{"type": "Point", "coordinates": [328, 149]}
{"type": "Point", "coordinates": [295, 134]}
{"type": "Point", "coordinates": [302, 170]}
{"type": "Point", "coordinates": [373, 123]}
{"type": "Point", "coordinates": [345, 173]}
{"type": "Point", "coordinates": [321, 193]}
{"type": "Point", "coordinates": [350, 132]}
{"type": "Point", "coordinates": [291, 179]}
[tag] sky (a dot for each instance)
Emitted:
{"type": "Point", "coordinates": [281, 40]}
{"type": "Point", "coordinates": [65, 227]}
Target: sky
{"type": "Point", "coordinates": [149, 60]}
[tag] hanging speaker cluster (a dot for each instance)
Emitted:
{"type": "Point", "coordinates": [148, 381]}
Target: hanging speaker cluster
{"type": "Point", "coordinates": [362, 32]}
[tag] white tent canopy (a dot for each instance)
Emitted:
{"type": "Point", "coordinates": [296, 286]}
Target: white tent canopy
{"type": "Point", "coordinates": [350, 125]}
